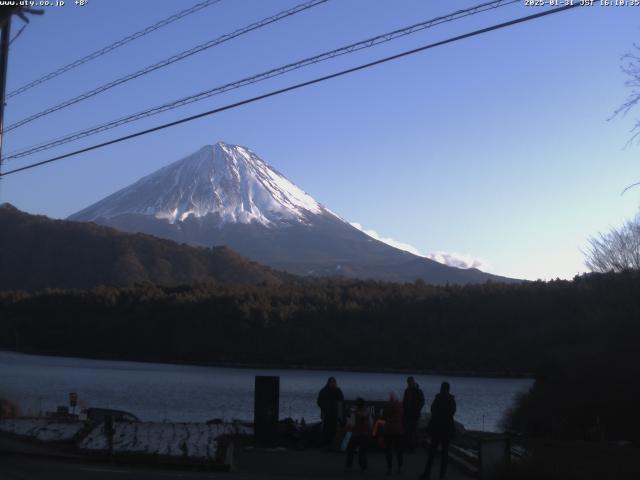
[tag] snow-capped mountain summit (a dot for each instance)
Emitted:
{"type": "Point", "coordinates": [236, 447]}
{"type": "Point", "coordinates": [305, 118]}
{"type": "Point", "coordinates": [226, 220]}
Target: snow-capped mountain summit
{"type": "Point", "coordinates": [228, 182]}
{"type": "Point", "coordinates": [226, 195]}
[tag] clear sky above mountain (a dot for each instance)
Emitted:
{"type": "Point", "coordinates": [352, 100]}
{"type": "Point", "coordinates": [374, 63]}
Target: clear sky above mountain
{"type": "Point", "coordinates": [495, 148]}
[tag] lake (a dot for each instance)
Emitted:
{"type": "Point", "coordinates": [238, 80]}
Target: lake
{"type": "Point", "coordinates": [156, 391]}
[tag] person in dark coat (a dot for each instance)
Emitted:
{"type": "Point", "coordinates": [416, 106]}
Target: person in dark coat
{"type": "Point", "coordinates": [330, 402]}
{"type": "Point", "coordinates": [440, 429]}
{"type": "Point", "coordinates": [360, 435]}
{"type": "Point", "coordinates": [393, 431]}
{"type": "Point", "coordinates": [412, 404]}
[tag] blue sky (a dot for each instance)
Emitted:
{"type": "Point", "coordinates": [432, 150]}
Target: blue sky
{"type": "Point", "coordinates": [496, 148]}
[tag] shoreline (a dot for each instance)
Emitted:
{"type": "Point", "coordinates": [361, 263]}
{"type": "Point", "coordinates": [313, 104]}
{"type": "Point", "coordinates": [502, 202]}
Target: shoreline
{"type": "Point", "coordinates": [262, 366]}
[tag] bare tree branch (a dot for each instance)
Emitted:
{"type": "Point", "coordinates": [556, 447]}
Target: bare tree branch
{"type": "Point", "coordinates": [630, 66]}
{"type": "Point", "coordinates": [617, 250]}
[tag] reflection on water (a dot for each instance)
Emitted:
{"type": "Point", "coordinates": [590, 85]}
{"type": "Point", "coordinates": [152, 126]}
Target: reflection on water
{"type": "Point", "coordinates": [190, 393]}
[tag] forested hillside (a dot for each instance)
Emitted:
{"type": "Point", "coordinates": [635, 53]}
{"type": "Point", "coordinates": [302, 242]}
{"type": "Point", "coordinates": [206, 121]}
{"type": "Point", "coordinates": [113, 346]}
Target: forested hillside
{"type": "Point", "coordinates": [37, 252]}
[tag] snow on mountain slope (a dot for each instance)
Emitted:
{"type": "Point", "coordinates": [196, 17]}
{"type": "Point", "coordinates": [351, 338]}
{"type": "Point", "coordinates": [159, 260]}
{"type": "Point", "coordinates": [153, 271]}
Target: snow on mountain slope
{"type": "Point", "coordinates": [226, 181]}
{"type": "Point", "coordinates": [226, 195]}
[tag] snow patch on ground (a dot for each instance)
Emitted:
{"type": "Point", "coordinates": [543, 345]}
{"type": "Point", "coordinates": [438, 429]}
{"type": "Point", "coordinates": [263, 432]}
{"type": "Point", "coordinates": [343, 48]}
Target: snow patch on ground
{"type": "Point", "coordinates": [189, 440]}
{"type": "Point", "coordinates": [42, 429]}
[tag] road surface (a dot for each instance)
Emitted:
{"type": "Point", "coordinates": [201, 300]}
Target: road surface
{"type": "Point", "coordinates": [255, 465]}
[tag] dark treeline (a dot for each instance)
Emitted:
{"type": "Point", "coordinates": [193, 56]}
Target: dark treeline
{"type": "Point", "coordinates": [483, 328]}
{"type": "Point", "coordinates": [580, 337]}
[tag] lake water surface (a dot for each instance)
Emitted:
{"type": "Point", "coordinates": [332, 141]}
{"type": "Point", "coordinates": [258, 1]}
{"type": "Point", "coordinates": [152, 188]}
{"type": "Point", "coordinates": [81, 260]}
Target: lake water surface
{"type": "Point", "coordinates": [155, 391]}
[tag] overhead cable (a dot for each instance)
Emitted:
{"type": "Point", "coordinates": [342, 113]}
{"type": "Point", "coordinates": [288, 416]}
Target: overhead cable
{"type": "Point", "coordinates": [295, 87]}
{"type": "Point", "coordinates": [117, 44]}
{"type": "Point", "coordinates": [168, 61]}
{"type": "Point", "coordinates": [368, 43]}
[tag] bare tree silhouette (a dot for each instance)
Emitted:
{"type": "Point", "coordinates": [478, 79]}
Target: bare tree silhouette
{"type": "Point", "coordinates": [630, 66]}
{"type": "Point", "coordinates": [616, 250]}
{"type": "Point", "coordinates": [619, 248]}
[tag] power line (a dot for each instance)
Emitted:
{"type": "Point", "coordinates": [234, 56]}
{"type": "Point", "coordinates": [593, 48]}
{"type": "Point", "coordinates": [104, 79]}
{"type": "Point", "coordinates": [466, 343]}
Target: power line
{"type": "Point", "coordinates": [18, 34]}
{"type": "Point", "coordinates": [168, 61]}
{"type": "Point", "coordinates": [98, 53]}
{"type": "Point", "coordinates": [6, 14]}
{"type": "Point", "coordinates": [368, 43]}
{"type": "Point", "coordinates": [295, 87]}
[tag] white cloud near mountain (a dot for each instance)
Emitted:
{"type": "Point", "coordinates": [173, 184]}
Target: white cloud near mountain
{"type": "Point", "coordinates": [459, 260]}
{"type": "Point", "coordinates": [452, 259]}
{"type": "Point", "coordinates": [389, 241]}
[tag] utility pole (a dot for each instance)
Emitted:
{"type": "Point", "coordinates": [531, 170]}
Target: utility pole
{"type": "Point", "coordinates": [5, 23]}
{"type": "Point", "coordinates": [5, 39]}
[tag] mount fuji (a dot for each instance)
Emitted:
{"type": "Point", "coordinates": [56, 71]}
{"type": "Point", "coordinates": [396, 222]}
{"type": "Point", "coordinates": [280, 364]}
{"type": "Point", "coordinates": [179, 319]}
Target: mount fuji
{"type": "Point", "coordinates": [226, 195]}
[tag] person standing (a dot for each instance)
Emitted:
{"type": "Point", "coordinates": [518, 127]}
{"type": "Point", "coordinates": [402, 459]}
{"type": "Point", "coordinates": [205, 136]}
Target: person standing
{"type": "Point", "coordinates": [329, 400]}
{"type": "Point", "coordinates": [412, 404]}
{"type": "Point", "coordinates": [393, 432]}
{"type": "Point", "coordinates": [440, 429]}
{"type": "Point", "coordinates": [360, 434]}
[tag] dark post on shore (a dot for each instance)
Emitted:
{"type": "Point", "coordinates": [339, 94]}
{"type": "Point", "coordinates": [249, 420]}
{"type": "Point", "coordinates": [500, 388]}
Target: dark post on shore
{"type": "Point", "coordinates": [266, 410]}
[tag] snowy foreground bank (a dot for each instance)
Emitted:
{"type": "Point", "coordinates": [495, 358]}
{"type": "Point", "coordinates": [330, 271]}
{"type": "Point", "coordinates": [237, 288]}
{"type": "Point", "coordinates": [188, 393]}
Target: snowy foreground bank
{"type": "Point", "coordinates": [188, 441]}
{"type": "Point", "coordinates": [42, 429]}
